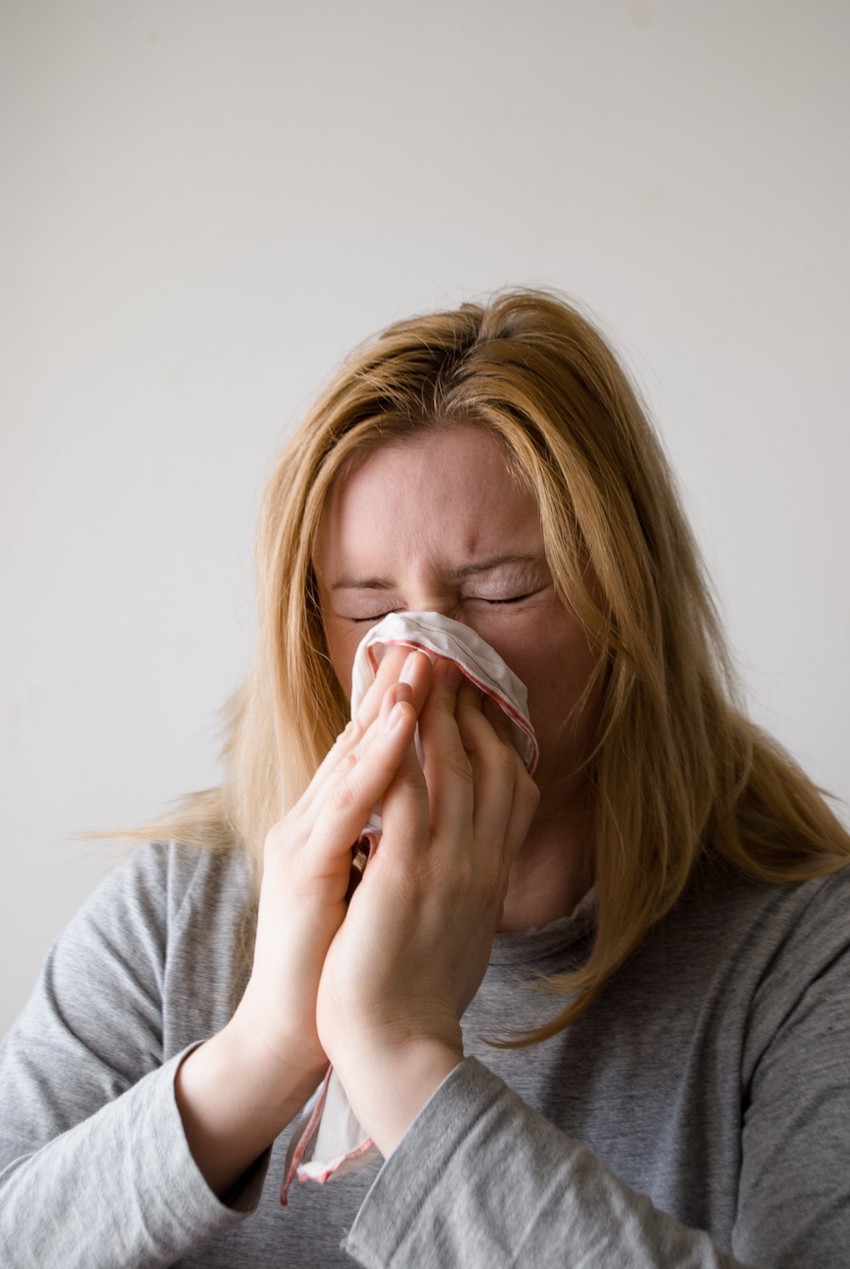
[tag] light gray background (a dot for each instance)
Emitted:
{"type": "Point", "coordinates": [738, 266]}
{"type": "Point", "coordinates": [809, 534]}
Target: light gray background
{"type": "Point", "coordinates": [208, 202]}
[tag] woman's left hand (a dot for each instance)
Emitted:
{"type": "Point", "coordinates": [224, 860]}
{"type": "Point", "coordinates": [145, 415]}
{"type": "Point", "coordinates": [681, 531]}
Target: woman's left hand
{"type": "Point", "coordinates": [415, 942]}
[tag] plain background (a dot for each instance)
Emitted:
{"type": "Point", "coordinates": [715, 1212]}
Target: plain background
{"type": "Point", "coordinates": [207, 203]}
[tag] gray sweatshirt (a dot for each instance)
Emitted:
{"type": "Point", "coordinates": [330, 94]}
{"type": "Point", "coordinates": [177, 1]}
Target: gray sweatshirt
{"type": "Point", "coordinates": [698, 1115]}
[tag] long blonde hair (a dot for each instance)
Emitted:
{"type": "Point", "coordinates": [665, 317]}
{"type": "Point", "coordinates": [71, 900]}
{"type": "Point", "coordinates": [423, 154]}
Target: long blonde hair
{"type": "Point", "coordinates": [676, 769]}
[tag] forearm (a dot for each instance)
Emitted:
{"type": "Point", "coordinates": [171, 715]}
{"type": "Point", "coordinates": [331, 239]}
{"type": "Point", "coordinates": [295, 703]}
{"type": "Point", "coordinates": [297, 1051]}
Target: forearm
{"type": "Point", "coordinates": [120, 1188]}
{"type": "Point", "coordinates": [234, 1100]}
{"type": "Point", "coordinates": [481, 1180]}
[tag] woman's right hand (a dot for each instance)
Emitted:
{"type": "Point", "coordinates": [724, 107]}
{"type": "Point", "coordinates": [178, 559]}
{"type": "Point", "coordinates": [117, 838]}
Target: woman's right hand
{"type": "Point", "coordinates": [237, 1091]}
{"type": "Point", "coordinates": [307, 863]}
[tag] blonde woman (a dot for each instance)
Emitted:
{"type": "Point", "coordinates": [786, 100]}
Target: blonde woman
{"type": "Point", "coordinates": [599, 1017]}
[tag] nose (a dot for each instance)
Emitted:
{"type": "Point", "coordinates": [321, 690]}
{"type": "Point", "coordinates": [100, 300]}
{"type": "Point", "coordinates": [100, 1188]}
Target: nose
{"type": "Point", "coordinates": [446, 606]}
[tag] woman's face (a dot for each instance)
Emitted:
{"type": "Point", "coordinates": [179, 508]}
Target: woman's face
{"type": "Point", "coordinates": [437, 523]}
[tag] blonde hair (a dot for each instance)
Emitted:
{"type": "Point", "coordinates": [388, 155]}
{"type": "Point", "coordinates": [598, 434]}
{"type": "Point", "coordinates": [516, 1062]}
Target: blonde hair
{"type": "Point", "coordinates": [676, 771]}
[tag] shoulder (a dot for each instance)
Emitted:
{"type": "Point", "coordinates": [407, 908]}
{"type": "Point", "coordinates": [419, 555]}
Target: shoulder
{"type": "Point", "coordinates": [805, 920]}
{"type": "Point", "coordinates": [164, 909]}
{"type": "Point", "coordinates": [777, 955]}
{"type": "Point", "coordinates": [161, 882]}
{"type": "Point", "coordinates": [747, 948]}
{"type": "Point", "coordinates": [145, 967]}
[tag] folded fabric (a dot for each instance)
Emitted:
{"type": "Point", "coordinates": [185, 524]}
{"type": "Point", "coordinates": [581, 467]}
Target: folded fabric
{"type": "Point", "coordinates": [440, 636]}
{"type": "Point", "coordinates": [327, 1139]}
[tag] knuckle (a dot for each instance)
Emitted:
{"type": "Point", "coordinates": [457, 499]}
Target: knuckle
{"type": "Point", "coordinates": [457, 763]}
{"type": "Point", "coordinates": [275, 838]}
{"type": "Point", "coordinates": [347, 792]}
{"type": "Point", "coordinates": [490, 880]}
{"type": "Point", "coordinates": [529, 792]}
{"type": "Point", "coordinates": [355, 731]}
{"type": "Point", "coordinates": [507, 763]}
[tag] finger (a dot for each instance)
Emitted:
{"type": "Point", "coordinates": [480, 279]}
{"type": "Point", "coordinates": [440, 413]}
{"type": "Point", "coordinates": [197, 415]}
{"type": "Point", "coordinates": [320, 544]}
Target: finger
{"type": "Point", "coordinates": [498, 719]}
{"type": "Point", "coordinates": [505, 795]}
{"type": "Point", "coordinates": [413, 680]}
{"type": "Point", "coordinates": [405, 812]}
{"type": "Point", "coordinates": [441, 794]}
{"type": "Point", "coordinates": [448, 772]}
{"type": "Point", "coordinates": [398, 664]}
{"type": "Point", "coordinates": [388, 671]}
{"type": "Point", "coordinates": [351, 741]}
{"type": "Point", "coordinates": [493, 757]}
{"type": "Point", "coordinates": [362, 779]}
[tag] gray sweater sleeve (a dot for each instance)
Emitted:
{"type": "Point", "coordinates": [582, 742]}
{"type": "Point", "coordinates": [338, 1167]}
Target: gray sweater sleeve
{"type": "Point", "coordinates": [95, 1170]}
{"type": "Point", "coordinates": [94, 1165]}
{"type": "Point", "coordinates": [482, 1181]}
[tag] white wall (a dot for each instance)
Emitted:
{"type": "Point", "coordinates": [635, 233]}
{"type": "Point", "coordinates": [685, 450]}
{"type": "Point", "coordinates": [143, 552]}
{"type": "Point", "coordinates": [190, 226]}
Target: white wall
{"type": "Point", "coordinates": [207, 202]}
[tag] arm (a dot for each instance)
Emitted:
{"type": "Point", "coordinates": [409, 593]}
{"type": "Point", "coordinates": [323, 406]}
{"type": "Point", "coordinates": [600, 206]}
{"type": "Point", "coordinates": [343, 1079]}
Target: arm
{"type": "Point", "coordinates": [481, 1181]}
{"type": "Point", "coordinates": [794, 1197]}
{"type": "Point", "coordinates": [475, 1177]}
{"type": "Point", "coordinates": [484, 1180]}
{"type": "Point", "coordinates": [94, 1165]}
{"type": "Point", "coordinates": [237, 1092]}
{"type": "Point", "coordinates": [107, 1155]}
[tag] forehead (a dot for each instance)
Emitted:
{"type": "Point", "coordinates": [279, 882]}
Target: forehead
{"type": "Point", "coordinates": [454, 486]}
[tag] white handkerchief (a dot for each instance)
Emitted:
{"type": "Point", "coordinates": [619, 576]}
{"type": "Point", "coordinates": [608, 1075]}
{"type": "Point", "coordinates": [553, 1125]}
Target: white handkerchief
{"type": "Point", "coordinates": [327, 1139]}
{"type": "Point", "coordinates": [441, 637]}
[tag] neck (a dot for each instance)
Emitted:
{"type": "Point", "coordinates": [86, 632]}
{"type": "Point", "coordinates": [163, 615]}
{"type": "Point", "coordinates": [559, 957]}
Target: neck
{"type": "Point", "coordinates": [553, 871]}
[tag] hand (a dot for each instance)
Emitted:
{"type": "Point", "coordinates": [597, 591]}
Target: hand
{"type": "Point", "coordinates": [415, 943]}
{"type": "Point", "coordinates": [237, 1091]}
{"type": "Point", "coordinates": [307, 862]}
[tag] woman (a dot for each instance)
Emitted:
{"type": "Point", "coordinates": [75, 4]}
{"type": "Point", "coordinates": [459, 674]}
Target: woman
{"type": "Point", "coordinates": [647, 944]}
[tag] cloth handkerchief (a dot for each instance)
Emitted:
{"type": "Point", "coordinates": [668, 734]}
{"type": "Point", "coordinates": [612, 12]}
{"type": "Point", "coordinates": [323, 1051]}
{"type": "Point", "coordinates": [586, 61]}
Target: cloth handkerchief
{"type": "Point", "coordinates": [327, 1139]}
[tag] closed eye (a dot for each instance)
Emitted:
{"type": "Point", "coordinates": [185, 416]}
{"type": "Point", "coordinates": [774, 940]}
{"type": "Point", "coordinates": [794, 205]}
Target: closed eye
{"type": "Point", "coordinates": [378, 616]}
{"type": "Point", "coordinates": [510, 599]}
{"type": "Point", "coordinates": [473, 599]}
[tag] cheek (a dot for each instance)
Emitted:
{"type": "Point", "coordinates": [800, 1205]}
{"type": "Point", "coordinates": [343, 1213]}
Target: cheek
{"type": "Point", "coordinates": [524, 650]}
{"type": "Point", "coordinates": [553, 658]}
{"type": "Point", "coordinates": [342, 641]}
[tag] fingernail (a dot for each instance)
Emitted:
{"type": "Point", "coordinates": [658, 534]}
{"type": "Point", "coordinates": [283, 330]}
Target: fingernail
{"type": "Point", "coordinates": [407, 668]}
{"type": "Point", "coordinates": [393, 718]}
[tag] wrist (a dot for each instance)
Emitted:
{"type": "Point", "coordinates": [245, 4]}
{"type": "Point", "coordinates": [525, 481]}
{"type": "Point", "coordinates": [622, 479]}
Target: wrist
{"type": "Point", "coordinates": [234, 1100]}
{"type": "Point", "coordinates": [389, 1084]}
{"type": "Point", "coordinates": [279, 1069]}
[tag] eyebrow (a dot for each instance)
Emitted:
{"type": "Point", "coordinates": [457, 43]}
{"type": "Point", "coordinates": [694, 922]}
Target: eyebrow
{"type": "Point", "coordinates": [468, 570]}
